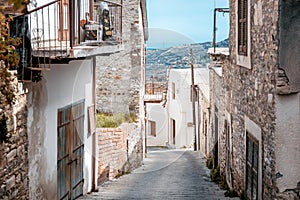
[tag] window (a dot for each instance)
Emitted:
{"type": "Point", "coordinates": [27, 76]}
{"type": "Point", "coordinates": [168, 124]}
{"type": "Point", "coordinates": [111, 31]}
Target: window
{"type": "Point", "coordinates": [242, 27]}
{"type": "Point", "coordinates": [63, 20]}
{"type": "Point", "coordinates": [91, 120]}
{"type": "Point", "coordinates": [152, 128]}
{"type": "Point", "coordinates": [65, 16]}
{"type": "Point", "coordinates": [252, 148]}
{"type": "Point", "coordinates": [173, 90]}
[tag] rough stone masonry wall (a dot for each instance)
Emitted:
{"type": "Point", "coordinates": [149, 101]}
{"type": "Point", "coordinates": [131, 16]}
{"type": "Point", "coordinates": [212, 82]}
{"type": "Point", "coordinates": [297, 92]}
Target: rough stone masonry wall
{"type": "Point", "coordinates": [14, 152]}
{"type": "Point", "coordinates": [217, 94]}
{"type": "Point", "coordinates": [119, 75]}
{"type": "Point", "coordinates": [251, 91]}
{"type": "Point", "coordinates": [217, 101]}
{"type": "Point", "coordinates": [120, 151]}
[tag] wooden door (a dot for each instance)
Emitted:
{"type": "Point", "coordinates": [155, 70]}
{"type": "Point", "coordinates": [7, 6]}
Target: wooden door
{"type": "Point", "coordinates": [70, 151]}
{"type": "Point", "coordinates": [228, 159]}
{"type": "Point", "coordinates": [173, 130]}
{"type": "Point", "coordinates": [216, 144]}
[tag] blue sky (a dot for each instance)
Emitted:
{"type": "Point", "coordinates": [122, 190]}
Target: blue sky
{"type": "Point", "coordinates": [174, 22]}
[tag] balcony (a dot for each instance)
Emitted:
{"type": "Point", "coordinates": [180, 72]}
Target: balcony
{"type": "Point", "coordinates": [62, 30]}
{"type": "Point", "coordinates": [155, 92]}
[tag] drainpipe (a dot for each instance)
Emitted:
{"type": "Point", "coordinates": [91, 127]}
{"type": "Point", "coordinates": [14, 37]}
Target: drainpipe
{"type": "Point", "coordinates": [145, 119]}
{"type": "Point", "coordinates": [94, 136]}
{"type": "Point", "coordinates": [199, 117]}
{"type": "Point", "coordinates": [71, 24]}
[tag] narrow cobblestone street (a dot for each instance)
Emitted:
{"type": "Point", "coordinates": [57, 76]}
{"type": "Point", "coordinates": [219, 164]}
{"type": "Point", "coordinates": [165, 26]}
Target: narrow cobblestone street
{"type": "Point", "coordinates": [165, 174]}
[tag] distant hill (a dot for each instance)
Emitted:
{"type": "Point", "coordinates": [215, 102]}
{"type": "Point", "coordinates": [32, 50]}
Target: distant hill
{"type": "Point", "coordinates": [159, 60]}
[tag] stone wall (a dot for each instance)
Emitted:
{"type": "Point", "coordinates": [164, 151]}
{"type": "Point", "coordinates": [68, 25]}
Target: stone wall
{"type": "Point", "coordinates": [204, 107]}
{"type": "Point", "coordinates": [217, 110]}
{"type": "Point", "coordinates": [14, 151]}
{"type": "Point", "coordinates": [217, 100]}
{"type": "Point", "coordinates": [250, 91]}
{"type": "Point", "coordinates": [120, 151]}
{"type": "Point", "coordinates": [112, 144]}
{"type": "Point", "coordinates": [120, 76]}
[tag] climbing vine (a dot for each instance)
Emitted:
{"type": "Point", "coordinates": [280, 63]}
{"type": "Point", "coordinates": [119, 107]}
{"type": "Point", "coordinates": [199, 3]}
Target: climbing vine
{"type": "Point", "coordinates": [9, 59]}
{"type": "Point", "coordinates": [8, 44]}
{"type": "Point", "coordinates": [8, 53]}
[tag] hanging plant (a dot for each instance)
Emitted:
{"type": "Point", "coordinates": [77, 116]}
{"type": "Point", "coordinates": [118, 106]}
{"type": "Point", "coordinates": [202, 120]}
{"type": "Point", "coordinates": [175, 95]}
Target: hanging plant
{"type": "Point", "coordinates": [8, 44]}
{"type": "Point", "coordinates": [3, 129]}
{"type": "Point", "coordinates": [9, 58]}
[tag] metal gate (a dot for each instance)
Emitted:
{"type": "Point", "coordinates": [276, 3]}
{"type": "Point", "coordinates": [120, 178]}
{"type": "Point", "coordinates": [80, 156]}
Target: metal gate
{"type": "Point", "coordinates": [70, 151]}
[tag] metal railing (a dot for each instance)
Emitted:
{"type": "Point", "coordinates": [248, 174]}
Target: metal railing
{"type": "Point", "coordinates": [50, 32]}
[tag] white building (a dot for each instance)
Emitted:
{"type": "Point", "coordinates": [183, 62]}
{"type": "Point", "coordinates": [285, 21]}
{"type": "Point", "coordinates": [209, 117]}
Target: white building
{"type": "Point", "coordinates": [157, 125]}
{"type": "Point", "coordinates": [60, 143]}
{"type": "Point", "coordinates": [58, 70]}
{"type": "Point", "coordinates": [181, 131]}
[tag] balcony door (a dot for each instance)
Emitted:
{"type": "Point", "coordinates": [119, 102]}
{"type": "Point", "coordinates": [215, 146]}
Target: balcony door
{"type": "Point", "coordinates": [64, 20]}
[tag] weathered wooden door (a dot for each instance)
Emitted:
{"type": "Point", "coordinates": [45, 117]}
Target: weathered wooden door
{"type": "Point", "coordinates": [216, 144]}
{"type": "Point", "coordinates": [70, 151]}
{"type": "Point", "coordinates": [228, 158]}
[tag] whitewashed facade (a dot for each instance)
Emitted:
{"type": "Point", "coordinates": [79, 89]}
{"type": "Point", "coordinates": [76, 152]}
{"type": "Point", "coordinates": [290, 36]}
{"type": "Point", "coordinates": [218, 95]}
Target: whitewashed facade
{"type": "Point", "coordinates": [181, 131]}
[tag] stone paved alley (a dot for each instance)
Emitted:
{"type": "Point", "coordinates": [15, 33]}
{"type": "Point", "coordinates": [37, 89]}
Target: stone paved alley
{"type": "Point", "coordinates": [166, 174]}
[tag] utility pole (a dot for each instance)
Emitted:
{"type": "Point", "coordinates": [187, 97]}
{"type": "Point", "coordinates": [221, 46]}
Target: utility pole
{"type": "Point", "coordinates": [193, 99]}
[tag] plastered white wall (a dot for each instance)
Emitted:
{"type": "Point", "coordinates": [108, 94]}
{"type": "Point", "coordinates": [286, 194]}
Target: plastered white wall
{"type": "Point", "coordinates": [180, 108]}
{"type": "Point", "coordinates": [287, 140]}
{"type": "Point", "coordinates": [158, 114]}
{"type": "Point", "coordinates": [61, 86]}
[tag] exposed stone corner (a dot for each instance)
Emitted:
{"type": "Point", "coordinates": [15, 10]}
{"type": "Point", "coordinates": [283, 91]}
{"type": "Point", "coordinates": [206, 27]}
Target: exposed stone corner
{"type": "Point", "coordinates": [282, 85]}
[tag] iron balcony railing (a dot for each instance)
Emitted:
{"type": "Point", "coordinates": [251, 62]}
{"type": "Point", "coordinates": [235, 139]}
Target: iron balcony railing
{"type": "Point", "coordinates": [53, 31]}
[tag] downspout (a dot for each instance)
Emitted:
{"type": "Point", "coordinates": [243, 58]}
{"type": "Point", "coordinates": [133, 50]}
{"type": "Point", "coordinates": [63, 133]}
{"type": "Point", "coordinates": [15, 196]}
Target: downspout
{"type": "Point", "coordinates": [94, 138]}
{"type": "Point", "coordinates": [199, 117]}
{"type": "Point", "coordinates": [71, 24]}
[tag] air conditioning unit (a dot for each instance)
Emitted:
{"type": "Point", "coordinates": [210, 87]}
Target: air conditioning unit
{"type": "Point", "coordinates": [93, 33]}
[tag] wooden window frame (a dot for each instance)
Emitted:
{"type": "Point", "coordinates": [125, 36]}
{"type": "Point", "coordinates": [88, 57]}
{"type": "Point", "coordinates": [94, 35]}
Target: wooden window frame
{"type": "Point", "coordinates": [242, 27]}
{"type": "Point", "coordinates": [152, 128]}
{"type": "Point", "coordinates": [173, 90]}
{"type": "Point", "coordinates": [63, 26]}
{"type": "Point", "coordinates": [65, 16]}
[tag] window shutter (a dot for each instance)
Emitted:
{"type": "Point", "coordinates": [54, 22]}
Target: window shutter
{"type": "Point", "coordinates": [242, 26]}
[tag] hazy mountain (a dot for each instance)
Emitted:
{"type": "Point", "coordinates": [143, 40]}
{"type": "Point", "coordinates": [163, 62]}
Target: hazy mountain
{"type": "Point", "coordinates": [159, 60]}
